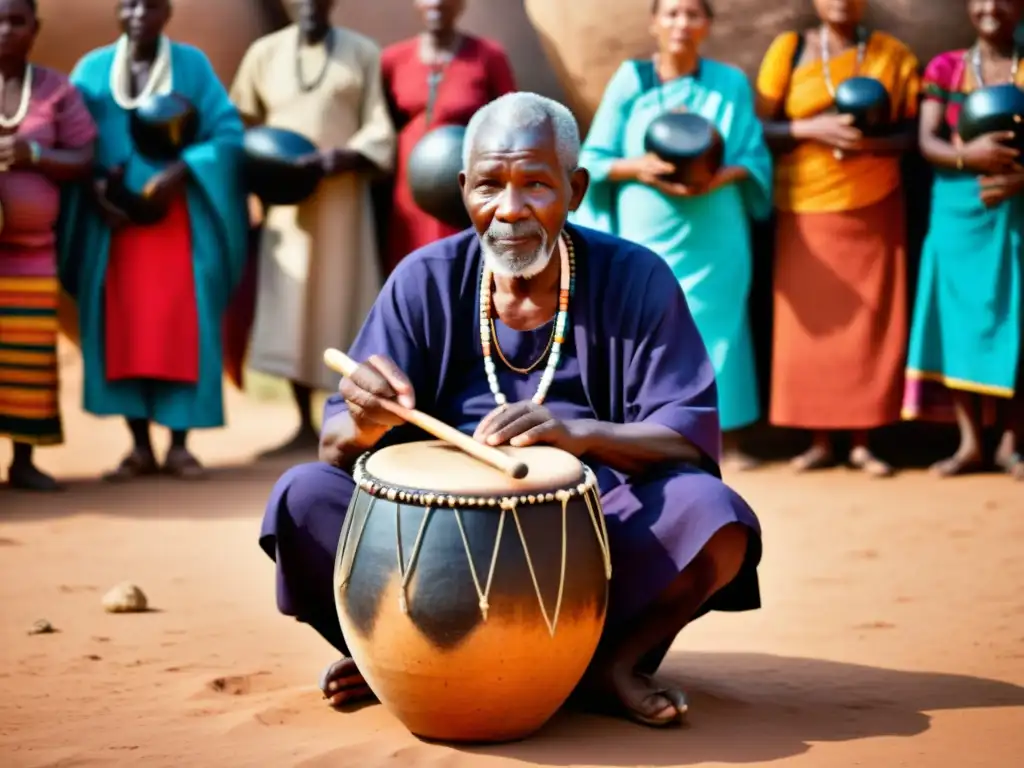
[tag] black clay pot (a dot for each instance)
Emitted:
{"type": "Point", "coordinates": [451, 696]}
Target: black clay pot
{"type": "Point", "coordinates": [163, 125]}
{"type": "Point", "coordinates": [434, 166]}
{"type": "Point", "coordinates": [868, 101]}
{"type": "Point", "coordinates": [271, 169]}
{"type": "Point", "coordinates": [690, 142]}
{"type": "Point", "coordinates": [991, 109]}
{"type": "Point", "coordinates": [139, 209]}
{"type": "Point", "coordinates": [413, 563]}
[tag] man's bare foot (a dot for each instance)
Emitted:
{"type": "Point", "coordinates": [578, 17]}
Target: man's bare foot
{"type": "Point", "coordinates": [637, 697]}
{"type": "Point", "coordinates": [964, 462]}
{"type": "Point", "coordinates": [863, 459]}
{"type": "Point", "coordinates": [342, 684]}
{"type": "Point", "coordinates": [303, 441]}
{"type": "Point", "coordinates": [676, 695]}
{"type": "Point", "coordinates": [815, 457]}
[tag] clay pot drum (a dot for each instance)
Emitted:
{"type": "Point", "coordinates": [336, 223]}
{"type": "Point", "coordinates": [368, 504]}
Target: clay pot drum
{"type": "Point", "coordinates": [868, 101]}
{"type": "Point", "coordinates": [162, 125]}
{"type": "Point", "coordinates": [434, 166]}
{"type": "Point", "coordinates": [472, 602]}
{"type": "Point", "coordinates": [272, 172]}
{"type": "Point", "coordinates": [990, 109]}
{"type": "Point", "coordinates": [690, 142]}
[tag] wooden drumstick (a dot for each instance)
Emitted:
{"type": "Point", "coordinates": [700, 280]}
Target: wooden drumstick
{"type": "Point", "coordinates": [338, 361]}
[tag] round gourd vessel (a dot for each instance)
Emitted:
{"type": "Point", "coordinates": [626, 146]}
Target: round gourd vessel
{"type": "Point", "coordinates": [434, 166]}
{"type": "Point", "coordinates": [162, 125]}
{"type": "Point", "coordinates": [991, 109]}
{"type": "Point", "coordinates": [690, 142]}
{"type": "Point", "coordinates": [272, 172]}
{"type": "Point", "coordinates": [868, 101]}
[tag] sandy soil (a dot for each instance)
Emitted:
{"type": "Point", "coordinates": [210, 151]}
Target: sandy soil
{"type": "Point", "coordinates": [892, 632]}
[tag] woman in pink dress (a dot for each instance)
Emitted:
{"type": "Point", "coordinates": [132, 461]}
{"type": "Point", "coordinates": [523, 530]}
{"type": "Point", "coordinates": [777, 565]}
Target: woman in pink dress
{"type": "Point", "coordinates": [439, 77]}
{"type": "Point", "coordinates": [46, 138]}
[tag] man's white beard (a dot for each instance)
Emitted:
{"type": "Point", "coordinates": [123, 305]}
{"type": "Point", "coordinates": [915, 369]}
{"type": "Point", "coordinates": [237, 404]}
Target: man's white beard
{"type": "Point", "coordinates": [515, 265]}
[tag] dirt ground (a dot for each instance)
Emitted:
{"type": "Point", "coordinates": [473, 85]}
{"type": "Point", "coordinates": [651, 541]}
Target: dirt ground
{"type": "Point", "coordinates": [892, 632]}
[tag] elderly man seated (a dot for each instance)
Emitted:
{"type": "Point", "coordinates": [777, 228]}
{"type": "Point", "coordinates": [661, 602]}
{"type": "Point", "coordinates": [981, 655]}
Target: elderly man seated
{"type": "Point", "coordinates": [630, 391]}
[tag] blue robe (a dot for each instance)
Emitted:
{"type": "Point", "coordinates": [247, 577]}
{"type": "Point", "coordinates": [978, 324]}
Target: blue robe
{"type": "Point", "coordinates": [217, 212]}
{"type": "Point", "coordinates": [704, 239]}
{"type": "Point", "coordinates": [632, 354]}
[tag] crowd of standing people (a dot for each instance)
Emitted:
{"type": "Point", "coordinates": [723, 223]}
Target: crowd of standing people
{"type": "Point", "coordinates": [849, 354]}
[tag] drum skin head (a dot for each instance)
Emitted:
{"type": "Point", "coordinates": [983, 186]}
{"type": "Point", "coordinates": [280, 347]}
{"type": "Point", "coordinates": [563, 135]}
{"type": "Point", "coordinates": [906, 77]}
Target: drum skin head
{"type": "Point", "coordinates": [442, 468]}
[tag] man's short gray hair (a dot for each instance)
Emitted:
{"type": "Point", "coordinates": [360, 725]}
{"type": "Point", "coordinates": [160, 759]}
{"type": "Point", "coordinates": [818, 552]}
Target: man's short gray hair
{"type": "Point", "coordinates": [521, 110]}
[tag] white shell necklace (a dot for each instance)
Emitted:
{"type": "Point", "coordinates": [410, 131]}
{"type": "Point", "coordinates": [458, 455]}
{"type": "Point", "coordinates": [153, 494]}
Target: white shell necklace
{"type": "Point", "coordinates": [976, 65]}
{"type": "Point", "coordinates": [26, 99]}
{"type": "Point", "coordinates": [826, 56]}
{"type": "Point", "coordinates": [567, 287]}
{"type": "Point", "coordinates": [160, 80]}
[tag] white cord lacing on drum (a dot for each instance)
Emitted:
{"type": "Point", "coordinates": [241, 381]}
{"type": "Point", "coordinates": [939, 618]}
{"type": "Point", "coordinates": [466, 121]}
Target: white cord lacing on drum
{"type": "Point", "coordinates": [483, 594]}
{"type": "Point", "coordinates": [406, 574]}
{"type": "Point", "coordinates": [359, 539]}
{"type": "Point", "coordinates": [602, 533]}
{"type": "Point", "coordinates": [552, 625]}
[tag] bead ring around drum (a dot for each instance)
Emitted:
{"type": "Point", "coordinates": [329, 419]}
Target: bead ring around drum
{"type": "Point", "coordinates": [378, 489]}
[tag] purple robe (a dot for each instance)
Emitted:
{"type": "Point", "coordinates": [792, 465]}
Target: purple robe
{"type": "Point", "coordinates": [633, 354]}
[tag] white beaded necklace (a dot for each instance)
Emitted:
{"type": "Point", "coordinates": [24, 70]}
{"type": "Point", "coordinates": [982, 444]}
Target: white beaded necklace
{"type": "Point", "coordinates": [161, 75]}
{"type": "Point", "coordinates": [975, 54]}
{"type": "Point", "coordinates": [26, 99]}
{"type": "Point", "coordinates": [567, 286]}
{"type": "Point", "coordinates": [826, 66]}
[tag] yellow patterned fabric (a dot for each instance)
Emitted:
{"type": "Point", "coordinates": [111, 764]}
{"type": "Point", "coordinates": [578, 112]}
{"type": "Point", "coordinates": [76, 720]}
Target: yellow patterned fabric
{"type": "Point", "coordinates": [29, 407]}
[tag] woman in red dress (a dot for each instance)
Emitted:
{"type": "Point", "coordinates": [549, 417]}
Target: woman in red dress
{"type": "Point", "coordinates": [440, 77]}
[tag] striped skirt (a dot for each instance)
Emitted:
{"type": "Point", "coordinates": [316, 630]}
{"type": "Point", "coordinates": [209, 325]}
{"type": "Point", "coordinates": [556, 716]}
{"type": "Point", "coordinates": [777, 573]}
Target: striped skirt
{"type": "Point", "coordinates": [29, 407]}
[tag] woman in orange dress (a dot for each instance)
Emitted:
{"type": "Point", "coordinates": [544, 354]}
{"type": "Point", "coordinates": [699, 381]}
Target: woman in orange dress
{"type": "Point", "coordinates": [840, 253]}
{"type": "Point", "coordinates": [440, 77]}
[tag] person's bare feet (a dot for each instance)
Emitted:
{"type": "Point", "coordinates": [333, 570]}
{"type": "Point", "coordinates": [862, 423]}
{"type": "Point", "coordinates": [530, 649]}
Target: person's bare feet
{"type": "Point", "coordinates": [28, 477]}
{"type": "Point", "coordinates": [1012, 464]}
{"type": "Point", "coordinates": [739, 461]}
{"type": "Point", "coordinates": [182, 464]}
{"type": "Point", "coordinates": [625, 693]}
{"type": "Point", "coordinates": [965, 461]}
{"type": "Point", "coordinates": [138, 463]}
{"type": "Point", "coordinates": [342, 684]}
{"type": "Point", "coordinates": [863, 459]}
{"type": "Point", "coordinates": [815, 457]}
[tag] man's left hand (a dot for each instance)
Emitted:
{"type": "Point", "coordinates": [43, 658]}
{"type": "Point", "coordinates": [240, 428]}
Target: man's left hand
{"type": "Point", "coordinates": [526, 423]}
{"type": "Point", "coordinates": [998, 189]}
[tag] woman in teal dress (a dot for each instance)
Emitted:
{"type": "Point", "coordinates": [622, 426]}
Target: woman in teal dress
{"type": "Point", "coordinates": [965, 343]}
{"type": "Point", "coordinates": [703, 234]}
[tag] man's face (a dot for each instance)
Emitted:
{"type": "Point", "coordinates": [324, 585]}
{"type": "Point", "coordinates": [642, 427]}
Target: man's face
{"type": "Point", "coordinates": [312, 15]}
{"type": "Point", "coordinates": [518, 196]}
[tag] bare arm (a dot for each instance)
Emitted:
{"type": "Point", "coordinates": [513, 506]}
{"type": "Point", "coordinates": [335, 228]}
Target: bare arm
{"type": "Point", "coordinates": [66, 164]}
{"type": "Point", "coordinates": [633, 447]}
{"type": "Point", "coordinates": [936, 150]}
{"type": "Point", "coordinates": [896, 143]}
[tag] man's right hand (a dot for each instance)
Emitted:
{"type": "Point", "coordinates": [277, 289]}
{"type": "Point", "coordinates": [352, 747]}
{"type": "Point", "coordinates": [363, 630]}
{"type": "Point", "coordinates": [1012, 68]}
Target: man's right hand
{"type": "Point", "coordinates": [374, 381]}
